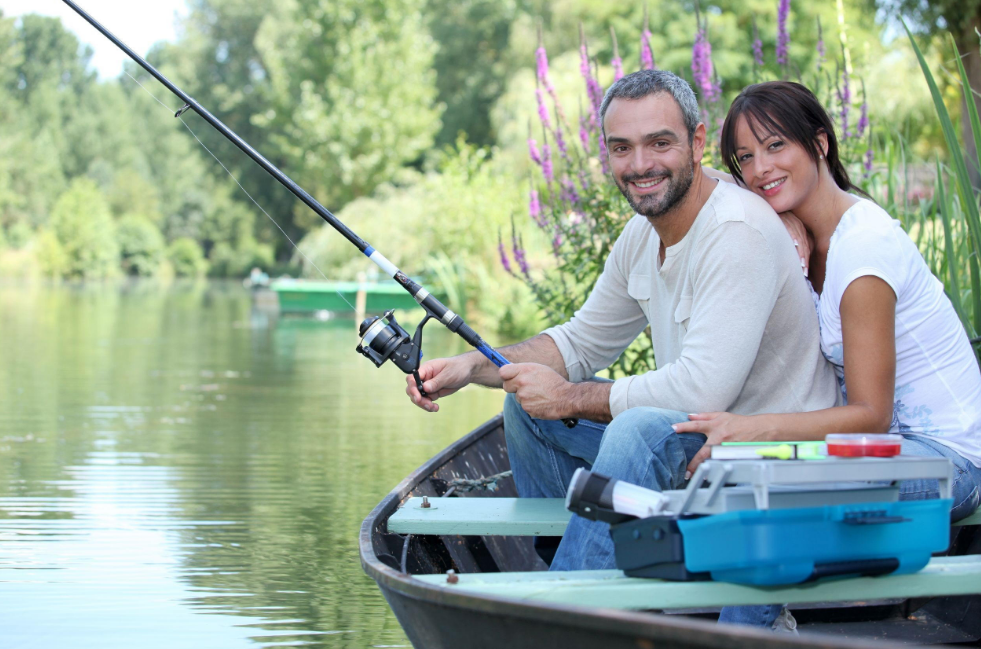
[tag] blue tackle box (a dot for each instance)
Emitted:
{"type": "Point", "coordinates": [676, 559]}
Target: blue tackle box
{"type": "Point", "coordinates": [777, 543]}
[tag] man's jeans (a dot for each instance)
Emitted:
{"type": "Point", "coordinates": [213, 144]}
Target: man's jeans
{"type": "Point", "coordinates": [640, 447]}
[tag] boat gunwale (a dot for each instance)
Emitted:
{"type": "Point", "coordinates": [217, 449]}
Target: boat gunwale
{"type": "Point", "coordinates": [670, 628]}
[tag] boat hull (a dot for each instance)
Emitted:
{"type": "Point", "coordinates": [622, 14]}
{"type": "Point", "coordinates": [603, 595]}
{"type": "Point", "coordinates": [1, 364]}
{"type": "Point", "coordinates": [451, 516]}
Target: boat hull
{"type": "Point", "coordinates": [438, 618]}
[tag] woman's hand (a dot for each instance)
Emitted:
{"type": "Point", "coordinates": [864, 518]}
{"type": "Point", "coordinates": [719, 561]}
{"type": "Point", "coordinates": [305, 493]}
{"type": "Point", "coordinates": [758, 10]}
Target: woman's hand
{"type": "Point", "coordinates": [802, 239]}
{"type": "Point", "coordinates": [719, 427]}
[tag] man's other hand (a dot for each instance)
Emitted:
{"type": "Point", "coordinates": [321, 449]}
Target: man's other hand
{"type": "Point", "coordinates": [441, 377]}
{"type": "Point", "coordinates": [541, 391]}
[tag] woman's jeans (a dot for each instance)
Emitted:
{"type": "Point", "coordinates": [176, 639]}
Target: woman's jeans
{"type": "Point", "coordinates": [640, 447]}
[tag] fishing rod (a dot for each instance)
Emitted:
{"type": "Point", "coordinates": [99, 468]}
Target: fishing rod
{"type": "Point", "coordinates": [382, 337]}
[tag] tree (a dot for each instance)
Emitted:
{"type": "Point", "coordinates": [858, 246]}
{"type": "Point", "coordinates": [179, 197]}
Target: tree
{"type": "Point", "coordinates": [353, 93]}
{"type": "Point", "coordinates": [962, 18]}
{"type": "Point", "coordinates": [472, 63]}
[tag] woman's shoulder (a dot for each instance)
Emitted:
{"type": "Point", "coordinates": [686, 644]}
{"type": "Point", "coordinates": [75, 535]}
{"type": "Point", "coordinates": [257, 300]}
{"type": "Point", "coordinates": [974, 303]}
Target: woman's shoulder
{"type": "Point", "coordinates": [866, 224]}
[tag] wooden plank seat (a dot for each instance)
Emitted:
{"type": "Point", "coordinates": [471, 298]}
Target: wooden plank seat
{"type": "Point", "coordinates": [611, 589]}
{"type": "Point", "coordinates": [499, 517]}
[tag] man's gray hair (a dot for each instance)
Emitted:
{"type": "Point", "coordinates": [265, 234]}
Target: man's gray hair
{"type": "Point", "coordinates": [643, 83]}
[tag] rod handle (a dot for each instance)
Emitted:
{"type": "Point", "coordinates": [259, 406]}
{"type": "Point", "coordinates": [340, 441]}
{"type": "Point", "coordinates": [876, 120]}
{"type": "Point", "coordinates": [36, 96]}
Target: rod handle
{"type": "Point", "coordinates": [495, 357]}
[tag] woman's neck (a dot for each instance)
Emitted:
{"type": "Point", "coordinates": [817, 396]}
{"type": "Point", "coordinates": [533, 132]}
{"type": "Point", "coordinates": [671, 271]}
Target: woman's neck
{"type": "Point", "coordinates": [822, 209]}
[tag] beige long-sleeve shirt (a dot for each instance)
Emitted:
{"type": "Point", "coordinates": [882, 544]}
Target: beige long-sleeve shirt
{"type": "Point", "coordinates": [733, 324]}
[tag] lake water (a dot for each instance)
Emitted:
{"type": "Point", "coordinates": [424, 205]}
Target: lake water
{"type": "Point", "coordinates": [179, 469]}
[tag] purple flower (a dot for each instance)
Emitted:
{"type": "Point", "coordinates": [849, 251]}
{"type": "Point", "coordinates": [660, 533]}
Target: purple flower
{"type": "Point", "coordinates": [569, 192]}
{"type": "Point", "coordinates": [863, 119]}
{"type": "Point", "coordinates": [503, 253]}
{"type": "Point", "coordinates": [603, 155]}
{"type": "Point", "coordinates": [547, 163]}
{"type": "Point", "coordinates": [533, 152]}
{"type": "Point", "coordinates": [542, 59]}
{"type": "Point", "coordinates": [757, 46]}
{"type": "Point", "coordinates": [518, 250]}
{"type": "Point", "coordinates": [701, 67]}
{"type": "Point", "coordinates": [584, 133]}
{"type": "Point", "coordinates": [783, 38]}
{"type": "Point", "coordinates": [535, 208]}
{"type": "Point", "coordinates": [583, 180]}
{"type": "Point", "coordinates": [822, 53]}
{"type": "Point", "coordinates": [868, 162]}
{"type": "Point", "coordinates": [593, 90]}
{"type": "Point", "coordinates": [617, 64]}
{"type": "Point", "coordinates": [845, 99]}
{"type": "Point", "coordinates": [542, 109]}
{"type": "Point", "coordinates": [557, 241]}
{"type": "Point", "coordinates": [560, 136]}
{"type": "Point", "coordinates": [646, 54]}
{"type": "Point", "coordinates": [616, 61]}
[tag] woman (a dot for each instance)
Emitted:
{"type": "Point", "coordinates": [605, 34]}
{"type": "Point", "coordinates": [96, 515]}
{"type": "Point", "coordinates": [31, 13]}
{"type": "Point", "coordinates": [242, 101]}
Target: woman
{"type": "Point", "coordinates": [901, 355]}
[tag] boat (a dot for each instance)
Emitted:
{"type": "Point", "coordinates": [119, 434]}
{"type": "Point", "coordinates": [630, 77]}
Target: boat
{"type": "Point", "coordinates": [310, 296]}
{"type": "Point", "coordinates": [412, 572]}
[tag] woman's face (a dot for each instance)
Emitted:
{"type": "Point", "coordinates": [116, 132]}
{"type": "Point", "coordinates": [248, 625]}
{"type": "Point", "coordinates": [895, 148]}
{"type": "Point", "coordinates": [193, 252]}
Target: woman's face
{"type": "Point", "coordinates": [777, 169]}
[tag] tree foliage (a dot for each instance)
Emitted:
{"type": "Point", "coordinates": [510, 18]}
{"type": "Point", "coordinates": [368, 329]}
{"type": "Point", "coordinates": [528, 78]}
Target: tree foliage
{"type": "Point", "coordinates": [83, 227]}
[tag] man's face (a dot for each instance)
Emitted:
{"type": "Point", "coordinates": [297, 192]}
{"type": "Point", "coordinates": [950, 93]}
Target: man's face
{"type": "Point", "coordinates": [650, 158]}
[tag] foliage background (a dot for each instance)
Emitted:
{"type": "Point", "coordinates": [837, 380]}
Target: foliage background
{"type": "Point", "coordinates": [407, 118]}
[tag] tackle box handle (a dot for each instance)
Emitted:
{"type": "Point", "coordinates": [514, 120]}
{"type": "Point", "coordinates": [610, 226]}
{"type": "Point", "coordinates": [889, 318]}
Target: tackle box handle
{"type": "Point", "coordinates": [872, 517]}
{"type": "Point", "coordinates": [862, 567]}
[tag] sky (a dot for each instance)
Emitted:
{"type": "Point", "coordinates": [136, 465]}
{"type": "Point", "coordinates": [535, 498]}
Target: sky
{"type": "Point", "coordinates": [137, 23]}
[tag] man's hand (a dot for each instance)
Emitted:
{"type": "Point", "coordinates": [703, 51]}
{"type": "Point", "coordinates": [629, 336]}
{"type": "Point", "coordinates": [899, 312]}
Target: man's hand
{"type": "Point", "coordinates": [719, 427]}
{"type": "Point", "coordinates": [540, 390]}
{"type": "Point", "coordinates": [441, 377]}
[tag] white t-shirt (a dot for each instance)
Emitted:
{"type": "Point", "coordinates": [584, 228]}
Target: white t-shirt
{"type": "Point", "coordinates": [938, 383]}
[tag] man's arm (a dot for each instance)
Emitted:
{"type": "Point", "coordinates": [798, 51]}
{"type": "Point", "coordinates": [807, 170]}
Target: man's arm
{"type": "Point", "coordinates": [606, 324]}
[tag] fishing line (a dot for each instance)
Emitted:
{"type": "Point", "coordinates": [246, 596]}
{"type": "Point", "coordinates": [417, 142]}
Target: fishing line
{"type": "Point", "coordinates": [232, 176]}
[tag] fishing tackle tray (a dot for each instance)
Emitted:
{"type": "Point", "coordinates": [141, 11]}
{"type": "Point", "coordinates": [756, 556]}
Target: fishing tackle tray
{"type": "Point", "coordinates": [785, 546]}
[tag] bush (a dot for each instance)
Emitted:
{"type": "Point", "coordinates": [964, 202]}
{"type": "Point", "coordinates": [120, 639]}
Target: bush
{"type": "Point", "coordinates": [186, 257]}
{"type": "Point", "coordinates": [49, 254]}
{"type": "Point", "coordinates": [226, 261]}
{"type": "Point", "coordinates": [18, 234]}
{"type": "Point", "coordinates": [83, 225]}
{"type": "Point", "coordinates": [141, 246]}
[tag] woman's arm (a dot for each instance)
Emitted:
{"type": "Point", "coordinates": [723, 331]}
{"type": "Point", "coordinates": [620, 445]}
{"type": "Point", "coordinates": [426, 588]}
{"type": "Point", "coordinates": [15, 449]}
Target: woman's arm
{"type": "Point", "coordinates": [868, 325]}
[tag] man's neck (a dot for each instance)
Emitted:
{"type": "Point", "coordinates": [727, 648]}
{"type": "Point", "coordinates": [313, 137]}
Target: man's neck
{"type": "Point", "coordinates": [672, 226]}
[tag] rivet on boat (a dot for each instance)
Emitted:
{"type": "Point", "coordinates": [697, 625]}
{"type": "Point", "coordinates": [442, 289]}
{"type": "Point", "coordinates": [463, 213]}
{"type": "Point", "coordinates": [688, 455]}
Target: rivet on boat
{"type": "Point", "coordinates": [425, 502]}
{"type": "Point", "coordinates": [451, 576]}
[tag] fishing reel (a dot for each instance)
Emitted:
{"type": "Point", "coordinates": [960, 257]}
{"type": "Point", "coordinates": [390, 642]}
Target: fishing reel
{"type": "Point", "coordinates": [383, 338]}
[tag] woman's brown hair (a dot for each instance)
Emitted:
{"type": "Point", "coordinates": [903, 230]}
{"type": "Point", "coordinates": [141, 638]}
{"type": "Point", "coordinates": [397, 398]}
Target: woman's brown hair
{"type": "Point", "coordinates": [791, 111]}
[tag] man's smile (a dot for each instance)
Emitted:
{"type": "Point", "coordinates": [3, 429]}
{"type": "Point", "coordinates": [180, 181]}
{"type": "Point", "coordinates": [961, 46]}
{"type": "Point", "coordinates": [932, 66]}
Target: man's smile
{"type": "Point", "coordinates": [647, 185]}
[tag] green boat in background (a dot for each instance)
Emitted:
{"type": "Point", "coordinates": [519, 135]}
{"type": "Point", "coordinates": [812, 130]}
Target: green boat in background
{"type": "Point", "coordinates": [309, 296]}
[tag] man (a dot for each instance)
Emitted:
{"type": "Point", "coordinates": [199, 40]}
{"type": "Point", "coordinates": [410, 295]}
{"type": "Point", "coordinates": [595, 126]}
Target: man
{"type": "Point", "coordinates": [711, 269]}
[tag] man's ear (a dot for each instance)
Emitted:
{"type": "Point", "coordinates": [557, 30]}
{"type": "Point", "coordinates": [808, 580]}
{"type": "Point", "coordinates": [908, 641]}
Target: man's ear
{"type": "Point", "coordinates": [698, 143]}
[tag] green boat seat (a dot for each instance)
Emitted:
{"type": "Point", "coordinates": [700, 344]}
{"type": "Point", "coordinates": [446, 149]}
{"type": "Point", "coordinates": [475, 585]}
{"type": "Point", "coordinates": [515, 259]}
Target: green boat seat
{"type": "Point", "coordinates": [611, 589]}
{"type": "Point", "coordinates": [482, 517]}
{"type": "Point", "coordinates": [499, 517]}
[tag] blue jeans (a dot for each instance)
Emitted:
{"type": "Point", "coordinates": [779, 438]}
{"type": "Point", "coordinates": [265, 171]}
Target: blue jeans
{"type": "Point", "coordinates": [640, 447]}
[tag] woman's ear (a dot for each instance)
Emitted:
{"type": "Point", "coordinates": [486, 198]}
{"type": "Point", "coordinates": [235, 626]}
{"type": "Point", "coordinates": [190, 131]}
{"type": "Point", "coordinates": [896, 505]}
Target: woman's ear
{"type": "Point", "coordinates": [822, 140]}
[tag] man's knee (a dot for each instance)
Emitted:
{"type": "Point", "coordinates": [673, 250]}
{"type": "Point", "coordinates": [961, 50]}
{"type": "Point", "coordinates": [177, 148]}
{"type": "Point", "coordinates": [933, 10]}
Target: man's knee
{"type": "Point", "coordinates": [653, 425]}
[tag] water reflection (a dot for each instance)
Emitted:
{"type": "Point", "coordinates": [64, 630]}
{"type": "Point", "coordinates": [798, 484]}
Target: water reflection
{"type": "Point", "coordinates": [179, 469]}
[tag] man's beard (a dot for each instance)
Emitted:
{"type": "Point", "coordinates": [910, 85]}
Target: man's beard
{"type": "Point", "coordinates": [654, 205]}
